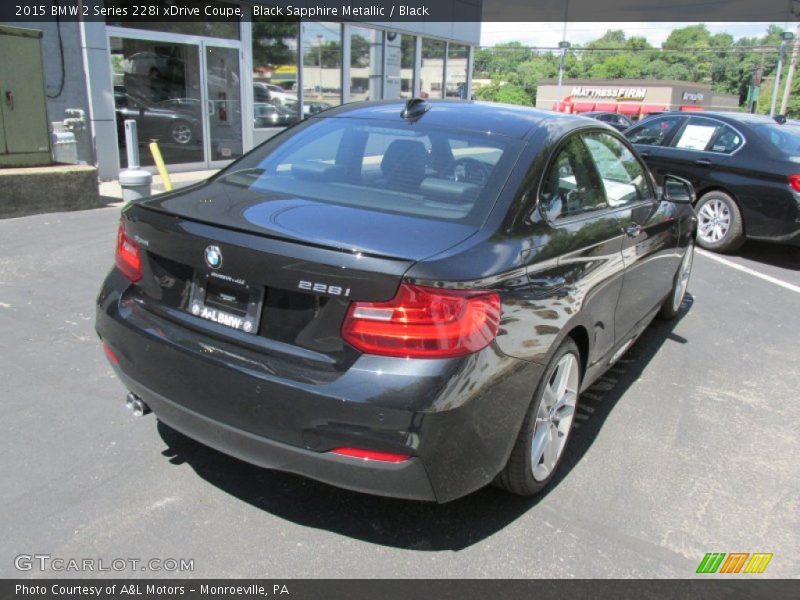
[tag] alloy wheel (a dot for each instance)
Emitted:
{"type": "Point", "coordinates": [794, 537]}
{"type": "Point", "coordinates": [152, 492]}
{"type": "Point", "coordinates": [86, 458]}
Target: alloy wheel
{"type": "Point", "coordinates": [554, 417]}
{"type": "Point", "coordinates": [714, 221]}
{"type": "Point", "coordinates": [182, 133]}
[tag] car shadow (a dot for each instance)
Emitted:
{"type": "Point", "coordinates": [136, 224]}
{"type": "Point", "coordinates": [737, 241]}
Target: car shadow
{"type": "Point", "coordinates": [408, 524]}
{"type": "Point", "coordinates": [777, 255]}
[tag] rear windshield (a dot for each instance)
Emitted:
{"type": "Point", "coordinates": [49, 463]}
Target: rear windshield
{"type": "Point", "coordinates": [387, 166]}
{"type": "Point", "coordinates": [785, 138]}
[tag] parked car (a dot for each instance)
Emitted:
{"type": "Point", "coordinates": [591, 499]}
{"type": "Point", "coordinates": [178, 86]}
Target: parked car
{"type": "Point", "coordinates": [270, 115]}
{"type": "Point", "coordinates": [178, 122]}
{"type": "Point", "coordinates": [744, 167]}
{"type": "Point", "coordinates": [616, 120]}
{"type": "Point", "coordinates": [275, 94]}
{"type": "Point", "coordinates": [398, 298]}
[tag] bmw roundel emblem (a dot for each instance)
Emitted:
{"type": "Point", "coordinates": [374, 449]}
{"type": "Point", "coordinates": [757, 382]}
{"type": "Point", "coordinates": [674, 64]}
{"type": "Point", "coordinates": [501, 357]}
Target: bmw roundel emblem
{"type": "Point", "coordinates": [213, 257]}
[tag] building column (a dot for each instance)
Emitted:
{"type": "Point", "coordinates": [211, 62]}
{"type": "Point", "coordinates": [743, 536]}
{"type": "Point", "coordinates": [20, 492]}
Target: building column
{"type": "Point", "coordinates": [100, 94]}
{"type": "Point", "coordinates": [345, 63]}
{"type": "Point", "coordinates": [246, 36]}
{"type": "Point", "coordinates": [417, 66]}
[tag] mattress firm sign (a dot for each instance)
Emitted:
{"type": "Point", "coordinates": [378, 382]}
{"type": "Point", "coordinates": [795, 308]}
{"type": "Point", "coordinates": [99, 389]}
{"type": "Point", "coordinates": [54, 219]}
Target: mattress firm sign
{"type": "Point", "coordinates": [609, 92]}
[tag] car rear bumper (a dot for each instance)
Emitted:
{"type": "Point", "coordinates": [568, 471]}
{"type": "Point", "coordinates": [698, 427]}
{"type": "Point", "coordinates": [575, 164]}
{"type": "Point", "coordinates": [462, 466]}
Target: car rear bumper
{"type": "Point", "coordinates": [406, 479]}
{"type": "Point", "coordinates": [457, 418]}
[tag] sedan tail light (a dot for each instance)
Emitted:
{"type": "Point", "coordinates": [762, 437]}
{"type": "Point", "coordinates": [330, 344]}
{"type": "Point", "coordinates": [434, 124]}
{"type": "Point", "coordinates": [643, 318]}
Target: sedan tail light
{"type": "Point", "coordinates": [128, 257]}
{"type": "Point", "coordinates": [423, 322]}
{"type": "Point", "coordinates": [794, 181]}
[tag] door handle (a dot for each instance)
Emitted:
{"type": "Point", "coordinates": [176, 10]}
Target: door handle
{"type": "Point", "coordinates": [644, 153]}
{"type": "Point", "coordinates": [10, 100]}
{"type": "Point", "coordinates": [703, 162]}
{"type": "Point", "coordinates": [211, 108]}
{"type": "Point", "coordinates": [633, 230]}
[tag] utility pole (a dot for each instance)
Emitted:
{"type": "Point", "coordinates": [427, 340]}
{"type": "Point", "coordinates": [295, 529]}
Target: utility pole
{"type": "Point", "coordinates": [790, 75]}
{"type": "Point", "coordinates": [563, 45]}
{"type": "Point", "coordinates": [785, 37]}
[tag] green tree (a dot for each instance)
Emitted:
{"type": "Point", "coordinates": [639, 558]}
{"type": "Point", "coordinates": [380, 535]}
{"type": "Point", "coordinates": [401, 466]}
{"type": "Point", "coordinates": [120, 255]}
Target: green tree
{"type": "Point", "coordinates": [272, 42]}
{"type": "Point", "coordinates": [506, 93]}
{"type": "Point", "coordinates": [689, 53]}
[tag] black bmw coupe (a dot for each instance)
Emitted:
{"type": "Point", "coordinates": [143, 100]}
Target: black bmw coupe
{"type": "Point", "coordinates": [405, 299]}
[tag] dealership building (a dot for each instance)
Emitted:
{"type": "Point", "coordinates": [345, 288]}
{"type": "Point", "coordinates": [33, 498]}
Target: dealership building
{"type": "Point", "coordinates": [631, 97]}
{"type": "Point", "coordinates": [209, 91]}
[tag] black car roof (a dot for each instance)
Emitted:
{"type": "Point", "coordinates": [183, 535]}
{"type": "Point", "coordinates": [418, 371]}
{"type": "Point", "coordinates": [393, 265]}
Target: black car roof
{"type": "Point", "coordinates": [509, 120]}
{"type": "Point", "coordinates": [733, 117]}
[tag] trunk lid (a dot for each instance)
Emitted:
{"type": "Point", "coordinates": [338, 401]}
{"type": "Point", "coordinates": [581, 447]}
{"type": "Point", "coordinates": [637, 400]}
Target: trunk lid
{"type": "Point", "coordinates": [314, 223]}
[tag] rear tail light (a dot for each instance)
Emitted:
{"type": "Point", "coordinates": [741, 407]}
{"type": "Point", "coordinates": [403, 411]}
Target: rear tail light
{"type": "Point", "coordinates": [128, 258]}
{"type": "Point", "coordinates": [371, 454]}
{"type": "Point", "coordinates": [794, 181]}
{"type": "Point", "coordinates": [423, 322]}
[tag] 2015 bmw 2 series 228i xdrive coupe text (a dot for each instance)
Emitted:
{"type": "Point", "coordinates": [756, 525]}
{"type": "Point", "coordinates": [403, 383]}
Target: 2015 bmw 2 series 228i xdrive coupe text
{"type": "Point", "coordinates": [404, 299]}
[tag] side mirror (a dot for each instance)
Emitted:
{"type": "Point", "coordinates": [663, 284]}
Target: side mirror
{"type": "Point", "coordinates": [678, 190]}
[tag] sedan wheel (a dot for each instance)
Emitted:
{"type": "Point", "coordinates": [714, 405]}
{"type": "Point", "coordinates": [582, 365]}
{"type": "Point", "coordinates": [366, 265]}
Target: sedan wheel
{"type": "Point", "coordinates": [719, 223]}
{"type": "Point", "coordinates": [545, 431]}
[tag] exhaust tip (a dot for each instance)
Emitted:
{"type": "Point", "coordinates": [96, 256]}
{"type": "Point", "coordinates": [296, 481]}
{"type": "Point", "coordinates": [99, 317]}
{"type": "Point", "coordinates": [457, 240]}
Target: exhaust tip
{"type": "Point", "coordinates": [136, 405]}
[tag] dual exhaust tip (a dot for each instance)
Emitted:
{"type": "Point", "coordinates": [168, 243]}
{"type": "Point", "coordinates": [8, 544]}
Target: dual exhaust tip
{"type": "Point", "coordinates": [136, 405]}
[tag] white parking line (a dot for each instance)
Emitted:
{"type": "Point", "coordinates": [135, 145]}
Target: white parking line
{"type": "Point", "coordinates": [784, 284]}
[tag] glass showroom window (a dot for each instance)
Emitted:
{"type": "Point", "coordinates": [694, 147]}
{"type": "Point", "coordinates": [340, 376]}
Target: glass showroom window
{"type": "Point", "coordinates": [432, 75]}
{"type": "Point", "coordinates": [275, 73]}
{"type": "Point", "coordinates": [158, 85]}
{"type": "Point", "coordinates": [408, 49]}
{"type": "Point", "coordinates": [322, 66]}
{"type": "Point", "coordinates": [400, 51]}
{"type": "Point", "coordinates": [457, 63]}
{"type": "Point", "coordinates": [366, 64]}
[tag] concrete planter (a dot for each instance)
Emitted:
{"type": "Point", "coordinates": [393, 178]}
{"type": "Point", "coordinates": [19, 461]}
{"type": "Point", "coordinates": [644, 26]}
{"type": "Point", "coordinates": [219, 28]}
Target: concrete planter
{"type": "Point", "coordinates": [48, 189]}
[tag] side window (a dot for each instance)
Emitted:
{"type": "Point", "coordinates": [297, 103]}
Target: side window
{"type": "Point", "coordinates": [571, 186]}
{"type": "Point", "coordinates": [727, 140]}
{"type": "Point", "coordinates": [653, 132]}
{"type": "Point", "coordinates": [623, 177]}
{"type": "Point", "coordinates": [697, 134]}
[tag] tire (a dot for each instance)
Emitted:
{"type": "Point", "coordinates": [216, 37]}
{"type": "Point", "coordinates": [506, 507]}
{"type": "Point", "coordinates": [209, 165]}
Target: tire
{"type": "Point", "coordinates": [181, 132]}
{"type": "Point", "coordinates": [672, 303]}
{"type": "Point", "coordinates": [719, 223]}
{"type": "Point", "coordinates": [522, 475]}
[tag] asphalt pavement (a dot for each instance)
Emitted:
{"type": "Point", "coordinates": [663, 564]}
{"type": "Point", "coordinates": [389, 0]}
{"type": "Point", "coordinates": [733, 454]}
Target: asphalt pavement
{"type": "Point", "coordinates": [689, 445]}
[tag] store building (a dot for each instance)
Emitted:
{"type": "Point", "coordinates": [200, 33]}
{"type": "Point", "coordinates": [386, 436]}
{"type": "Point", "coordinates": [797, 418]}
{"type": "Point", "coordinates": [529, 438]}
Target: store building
{"type": "Point", "coordinates": [631, 97]}
{"type": "Point", "coordinates": [209, 91]}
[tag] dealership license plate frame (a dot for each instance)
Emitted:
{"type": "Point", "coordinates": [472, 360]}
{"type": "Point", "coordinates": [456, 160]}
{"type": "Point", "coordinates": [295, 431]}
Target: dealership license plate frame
{"type": "Point", "coordinates": [201, 306]}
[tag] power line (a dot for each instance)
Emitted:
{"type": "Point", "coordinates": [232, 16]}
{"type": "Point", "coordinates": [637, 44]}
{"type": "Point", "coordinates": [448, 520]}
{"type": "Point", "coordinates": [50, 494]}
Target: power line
{"type": "Point", "coordinates": [716, 50]}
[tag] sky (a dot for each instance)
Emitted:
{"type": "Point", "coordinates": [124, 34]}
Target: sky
{"type": "Point", "coordinates": [549, 34]}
